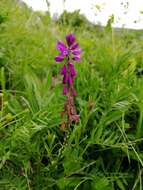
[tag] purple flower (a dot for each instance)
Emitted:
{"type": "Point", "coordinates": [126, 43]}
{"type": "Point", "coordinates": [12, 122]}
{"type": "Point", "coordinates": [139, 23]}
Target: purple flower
{"type": "Point", "coordinates": [63, 70]}
{"type": "Point", "coordinates": [73, 92]}
{"type": "Point", "coordinates": [61, 46]}
{"type": "Point", "coordinates": [75, 118]}
{"type": "Point", "coordinates": [72, 70]}
{"type": "Point", "coordinates": [76, 58]}
{"type": "Point", "coordinates": [65, 79]}
{"type": "Point", "coordinates": [74, 46]}
{"type": "Point", "coordinates": [65, 90]}
{"type": "Point", "coordinates": [70, 80]}
{"type": "Point", "coordinates": [68, 72]}
{"type": "Point", "coordinates": [59, 58]}
{"type": "Point", "coordinates": [70, 39]}
{"type": "Point", "coordinates": [68, 51]}
{"type": "Point", "coordinates": [76, 52]}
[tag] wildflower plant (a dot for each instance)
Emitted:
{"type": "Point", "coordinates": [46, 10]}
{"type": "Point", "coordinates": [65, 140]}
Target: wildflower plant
{"type": "Point", "coordinates": [69, 53]}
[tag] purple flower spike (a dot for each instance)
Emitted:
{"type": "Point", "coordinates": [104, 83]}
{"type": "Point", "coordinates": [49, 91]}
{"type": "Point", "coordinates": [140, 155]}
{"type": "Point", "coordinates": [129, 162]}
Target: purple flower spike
{"type": "Point", "coordinates": [68, 52]}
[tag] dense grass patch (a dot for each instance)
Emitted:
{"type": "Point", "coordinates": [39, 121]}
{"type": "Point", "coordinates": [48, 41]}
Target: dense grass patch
{"type": "Point", "coordinates": [105, 149]}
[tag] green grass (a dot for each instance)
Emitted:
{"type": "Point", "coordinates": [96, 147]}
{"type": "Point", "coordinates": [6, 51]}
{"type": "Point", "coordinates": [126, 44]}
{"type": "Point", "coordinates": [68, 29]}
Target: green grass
{"type": "Point", "coordinates": [104, 150]}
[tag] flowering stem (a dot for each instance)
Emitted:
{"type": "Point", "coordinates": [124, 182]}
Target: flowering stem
{"type": "Point", "coordinates": [71, 53]}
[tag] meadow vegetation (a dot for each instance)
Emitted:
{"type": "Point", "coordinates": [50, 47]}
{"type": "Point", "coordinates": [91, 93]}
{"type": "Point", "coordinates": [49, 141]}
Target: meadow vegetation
{"type": "Point", "coordinates": [104, 151]}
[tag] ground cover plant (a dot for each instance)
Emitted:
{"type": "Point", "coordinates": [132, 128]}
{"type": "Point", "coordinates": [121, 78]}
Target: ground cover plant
{"type": "Point", "coordinates": [104, 149]}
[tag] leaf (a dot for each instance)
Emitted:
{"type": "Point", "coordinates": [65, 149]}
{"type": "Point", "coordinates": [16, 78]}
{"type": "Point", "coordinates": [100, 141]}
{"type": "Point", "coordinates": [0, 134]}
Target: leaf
{"type": "Point", "coordinates": [120, 184]}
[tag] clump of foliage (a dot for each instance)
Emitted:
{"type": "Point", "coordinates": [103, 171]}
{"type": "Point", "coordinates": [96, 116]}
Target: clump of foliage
{"type": "Point", "coordinates": [102, 151]}
{"type": "Point", "coordinates": [73, 19]}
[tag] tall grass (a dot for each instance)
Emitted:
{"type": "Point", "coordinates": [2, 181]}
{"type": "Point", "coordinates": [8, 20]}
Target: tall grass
{"type": "Point", "coordinates": [104, 150]}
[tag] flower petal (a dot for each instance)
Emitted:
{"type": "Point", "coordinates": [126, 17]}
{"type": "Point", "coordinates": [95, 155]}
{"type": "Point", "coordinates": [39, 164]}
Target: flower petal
{"type": "Point", "coordinates": [65, 79]}
{"type": "Point", "coordinates": [73, 92]}
{"type": "Point", "coordinates": [76, 58]}
{"type": "Point", "coordinates": [63, 70]}
{"type": "Point", "coordinates": [70, 39]}
{"type": "Point", "coordinates": [72, 70]}
{"type": "Point", "coordinates": [76, 52]}
{"type": "Point", "coordinates": [75, 118]}
{"type": "Point", "coordinates": [59, 58]}
{"type": "Point", "coordinates": [70, 81]}
{"type": "Point", "coordinates": [74, 46]}
{"type": "Point", "coordinates": [61, 47]}
{"type": "Point", "coordinates": [65, 90]}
